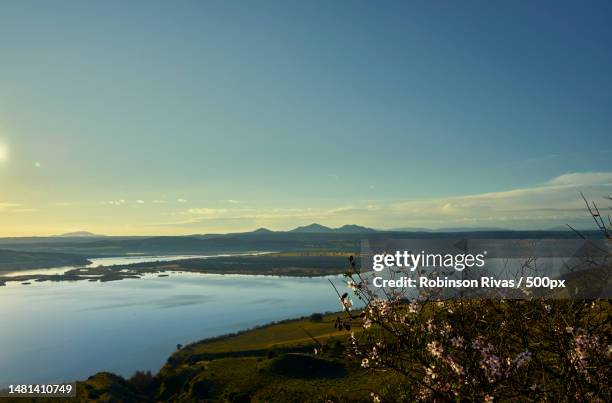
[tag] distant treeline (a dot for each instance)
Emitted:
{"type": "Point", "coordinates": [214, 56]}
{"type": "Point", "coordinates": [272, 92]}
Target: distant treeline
{"type": "Point", "coordinates": [17, 260]}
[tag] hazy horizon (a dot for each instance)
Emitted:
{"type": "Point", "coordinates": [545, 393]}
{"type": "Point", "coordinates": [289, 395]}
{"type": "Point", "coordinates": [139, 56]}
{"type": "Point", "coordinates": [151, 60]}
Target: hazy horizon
{"type": "Point", "coordinates": [84, 233]}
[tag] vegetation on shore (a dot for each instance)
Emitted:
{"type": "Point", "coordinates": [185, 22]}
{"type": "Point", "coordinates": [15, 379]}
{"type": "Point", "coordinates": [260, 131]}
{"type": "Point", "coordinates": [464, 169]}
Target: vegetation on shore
{"type": "Point", "coordinates": [16, 260]}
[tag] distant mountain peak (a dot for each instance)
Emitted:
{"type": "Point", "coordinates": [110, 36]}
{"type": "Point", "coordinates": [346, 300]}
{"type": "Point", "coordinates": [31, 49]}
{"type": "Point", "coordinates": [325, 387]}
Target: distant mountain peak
{"type": "Point", "coordinates": [352, 228]}
{"type": "Point", "coordinates": [79, 234]}
{"type": "Point", "coordinates": [314, 227]}
{"type": "Point", "coordinates": [345, 229]}
{"type": "Point", "coordinates": [262, 230]}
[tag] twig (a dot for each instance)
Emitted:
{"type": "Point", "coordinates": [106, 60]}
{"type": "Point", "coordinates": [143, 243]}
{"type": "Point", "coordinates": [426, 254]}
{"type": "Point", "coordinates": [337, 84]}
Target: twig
{"type": "Point", "coordinates": [312, 337]}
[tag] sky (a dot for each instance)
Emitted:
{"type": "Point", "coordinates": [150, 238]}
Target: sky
{"type": "Point", "coordinates": [147, 117]}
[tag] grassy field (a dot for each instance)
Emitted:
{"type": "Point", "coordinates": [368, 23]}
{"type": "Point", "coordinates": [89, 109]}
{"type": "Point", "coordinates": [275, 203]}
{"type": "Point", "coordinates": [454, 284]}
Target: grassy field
{"type": "Point", "coordinates": [283, 335]}
{"type": "Point", "coordinates": [291, 377]}
{"type": "Point", "coordinates": [271, 363]}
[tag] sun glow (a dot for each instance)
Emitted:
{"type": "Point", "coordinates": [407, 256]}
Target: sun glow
{"type": "Point", "coordinates": [3, 152]}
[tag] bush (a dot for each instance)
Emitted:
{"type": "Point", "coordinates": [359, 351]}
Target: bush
{"type": "Point", "coordinates": [316, 317]}
{"type": "Point", "coordinates": [486, 349]}
{"type": "Point", "coordinates": [143, 382]}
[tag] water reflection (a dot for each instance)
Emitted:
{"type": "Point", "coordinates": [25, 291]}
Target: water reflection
{"type": "Point", "coordinates": [70, 330]}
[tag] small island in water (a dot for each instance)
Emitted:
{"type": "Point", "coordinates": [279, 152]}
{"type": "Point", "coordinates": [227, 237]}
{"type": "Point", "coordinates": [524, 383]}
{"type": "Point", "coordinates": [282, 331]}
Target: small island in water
{"type": "Point", "coordinates": [296, 264]}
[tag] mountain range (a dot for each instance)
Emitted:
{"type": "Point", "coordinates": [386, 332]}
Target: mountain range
{"type": "Point", "coordinates": [313, 237]}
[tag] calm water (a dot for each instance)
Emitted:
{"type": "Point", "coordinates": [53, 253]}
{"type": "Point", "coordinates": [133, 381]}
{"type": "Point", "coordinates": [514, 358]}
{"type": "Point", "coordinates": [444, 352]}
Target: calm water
{"type": "Point", "coordinates": [70, 330]}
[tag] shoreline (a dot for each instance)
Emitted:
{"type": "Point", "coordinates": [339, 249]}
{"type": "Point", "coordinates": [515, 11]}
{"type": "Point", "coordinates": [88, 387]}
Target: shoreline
{"type": "Point", "coordinates": [296, 264]}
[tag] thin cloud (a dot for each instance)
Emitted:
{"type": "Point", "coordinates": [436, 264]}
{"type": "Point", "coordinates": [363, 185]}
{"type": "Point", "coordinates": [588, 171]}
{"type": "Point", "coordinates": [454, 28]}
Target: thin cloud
{"type": "Point", "coordinates": [582, 179]}
{"type": "Point", "coordinates": [4, 206]}
{"type": "Point", "coordinates": [209, 212]}
{"type": "Point", "coordinates": [555, 202]}
{"type": "Point", "coordinates": [119, 202]}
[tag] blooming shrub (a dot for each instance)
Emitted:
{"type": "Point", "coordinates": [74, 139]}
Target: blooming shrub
{"type": "Point", "coordinates": [483, 349]}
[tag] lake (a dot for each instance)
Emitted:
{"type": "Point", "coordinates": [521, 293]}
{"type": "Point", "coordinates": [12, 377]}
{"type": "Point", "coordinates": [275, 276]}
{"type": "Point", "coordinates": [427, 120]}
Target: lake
{"type": "Point", "coordinates": [64, 331]}
{"type": "Point", "coordinates": [69, 330]}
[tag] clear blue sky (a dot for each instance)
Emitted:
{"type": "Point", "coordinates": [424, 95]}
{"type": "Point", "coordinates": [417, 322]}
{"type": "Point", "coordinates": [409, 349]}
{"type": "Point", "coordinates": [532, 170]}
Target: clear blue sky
{"type": "Point", "coordinates": [182, 117]}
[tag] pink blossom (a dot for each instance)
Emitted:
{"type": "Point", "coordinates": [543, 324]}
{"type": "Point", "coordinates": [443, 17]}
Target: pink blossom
{"type": "Point", "coordinates": [414, 307]}
{"type": "Point", "coordinates": [435, 349]}
{"type": "Point", "coordinates": [522, 359]}
{"type": "Point", "coordinates": [457, 342]}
